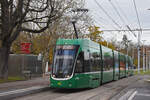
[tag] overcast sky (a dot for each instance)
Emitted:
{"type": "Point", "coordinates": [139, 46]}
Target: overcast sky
{"type": "Point", "coordinates": [128, 17]}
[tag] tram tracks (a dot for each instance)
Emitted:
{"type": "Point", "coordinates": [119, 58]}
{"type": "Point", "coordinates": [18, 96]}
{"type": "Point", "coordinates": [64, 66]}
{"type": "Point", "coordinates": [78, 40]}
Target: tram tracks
{"type": "Point", "coordinates": [104, 92]}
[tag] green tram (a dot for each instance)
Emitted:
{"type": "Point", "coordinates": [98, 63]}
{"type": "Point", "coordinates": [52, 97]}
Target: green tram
{"type": "Point", "coordinates": [82, 63]}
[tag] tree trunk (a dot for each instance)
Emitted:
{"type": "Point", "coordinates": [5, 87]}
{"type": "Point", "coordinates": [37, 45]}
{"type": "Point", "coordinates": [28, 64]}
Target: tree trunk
{"type": "Point", "coordinates": [4, 55]}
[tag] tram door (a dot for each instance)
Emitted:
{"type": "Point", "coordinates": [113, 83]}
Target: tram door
{"type": "Point", "coordinates": [116, 65]}
{"type": "Point", "coordinates": [122, 66]}
{"type": "Point", "coordinates": [79, 69]}
{"type": "Point", "coordinates": [95, 66]}
{"type": "Point", "coordinates": [107, 65]}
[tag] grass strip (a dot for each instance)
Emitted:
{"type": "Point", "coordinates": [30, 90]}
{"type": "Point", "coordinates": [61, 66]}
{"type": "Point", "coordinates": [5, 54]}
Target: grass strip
{"type": "Point", "coordinates": [12, 79]}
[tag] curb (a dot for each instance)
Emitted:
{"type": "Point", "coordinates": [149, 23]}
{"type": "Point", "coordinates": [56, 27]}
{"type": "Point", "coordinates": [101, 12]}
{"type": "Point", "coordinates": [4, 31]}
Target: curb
{"type": "Point", "coordinates": [22, 92]}
{"type": "Point", "coordinates": [147, 80]}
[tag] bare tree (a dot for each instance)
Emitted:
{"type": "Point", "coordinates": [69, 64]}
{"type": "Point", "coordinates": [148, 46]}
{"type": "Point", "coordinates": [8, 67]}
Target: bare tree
{"type": "Point", "coordinates": [24, 15]}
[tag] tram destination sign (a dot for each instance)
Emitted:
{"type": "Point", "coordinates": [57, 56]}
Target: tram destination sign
{"type": "Point", "coordinates": [65, 47]}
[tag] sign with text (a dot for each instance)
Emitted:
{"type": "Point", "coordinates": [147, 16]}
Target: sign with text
{"type": "Point", "coordinates": [25, 48]}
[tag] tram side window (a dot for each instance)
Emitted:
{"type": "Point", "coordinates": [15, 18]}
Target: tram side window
{"type": "Point", "coordinates": [108, 61]}
{"type": "Point", "coordinates": [87, 67]}
{"type": "Point", "coordinates": [122, 62]}
{"type": "Point", "coordinates": [87, 64]}
{"type": "Point", "coordinates": [95, 61]}
{"type": "Point", "coordinates": [116, 60]}
{"type": "Point", "coordinates": [79, 64]}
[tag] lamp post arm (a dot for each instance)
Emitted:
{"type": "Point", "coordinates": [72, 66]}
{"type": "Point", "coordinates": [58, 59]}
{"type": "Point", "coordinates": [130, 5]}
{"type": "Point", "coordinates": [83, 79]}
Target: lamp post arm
{"type": "Point", "coordinates": [74, 26]}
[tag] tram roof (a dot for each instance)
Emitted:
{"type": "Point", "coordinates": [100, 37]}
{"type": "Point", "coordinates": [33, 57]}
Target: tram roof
{"type": "Point", "coordinates": [82, 42]}
{"type": "Point", "coordinates": [79, 41]}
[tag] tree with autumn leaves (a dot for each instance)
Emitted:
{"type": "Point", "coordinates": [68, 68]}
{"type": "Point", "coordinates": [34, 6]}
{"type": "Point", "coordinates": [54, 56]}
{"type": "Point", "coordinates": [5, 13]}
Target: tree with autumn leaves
{"type": "Point", "coordinates": [19, 16]}
{"type": "Point", "coordinates": [96, 35]}
{"type": "Point", "coordinates": [44, 42]}
{"type": "Point", "coordinates": [32, 16]}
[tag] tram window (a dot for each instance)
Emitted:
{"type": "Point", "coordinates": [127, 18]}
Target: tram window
{"type": "Point", "coordinates": [79, 64]}
{"type": "Point", "coordinates": [108, 61]}
{"type": "Point", "coordinates": [116, 60]}
{"type": "Point", "coordinates": [122, 62]}
{"type": "Point", "coordinates": [87, 64]}
{"type": "Point", "coordinates": [95, 61]}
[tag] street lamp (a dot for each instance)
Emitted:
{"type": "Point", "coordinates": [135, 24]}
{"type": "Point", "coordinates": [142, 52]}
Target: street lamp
{"type": "Point", "coordinates": [74, 19]}
{"type": "Point", "coordinates": [74, 26]}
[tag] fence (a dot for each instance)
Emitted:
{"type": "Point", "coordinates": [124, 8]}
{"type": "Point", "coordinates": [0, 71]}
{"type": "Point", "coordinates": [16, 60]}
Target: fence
{"type": "Point", "coordinates": [20, 64]}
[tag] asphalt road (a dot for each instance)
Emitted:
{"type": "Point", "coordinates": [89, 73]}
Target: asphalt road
{"type": "Point", "coordinates": [139, 90]}
{"type": "Point", "coordinates": [104, 92]}
{"type": "Point", "coordinates": [142, 94]}
{"type": "Point", "coordinates": [131, 88]}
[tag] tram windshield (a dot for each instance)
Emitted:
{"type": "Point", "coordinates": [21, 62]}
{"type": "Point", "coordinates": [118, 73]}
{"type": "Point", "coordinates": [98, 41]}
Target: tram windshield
{"type": "Point", "coordinates": [64, 59]}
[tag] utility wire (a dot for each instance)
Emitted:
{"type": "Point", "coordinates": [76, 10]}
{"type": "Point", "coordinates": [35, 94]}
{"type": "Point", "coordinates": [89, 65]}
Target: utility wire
{"type": "Point", "coordinates": [121, 18]}
{"type": "Point", "coordinates": [125, 16]}
{"type": "Point", "coordinates": [114, 7]}
{"type": "Point", "coordinates": [96, 21]}
{"type": "Point", "coordinates": [102, 26]}
{"type": "Point", "coordinates": [128, 30]}
{"type": "Point", "coordinates": [107, 14]}
{"type": "Point", "coordinates": [102, 20]}
{"type": "Point", "coordinates": [111, 17]}
{"type": "Point", "coordinates": [122, 11]}
{"type": "Point", "coordinates": [137, 15]}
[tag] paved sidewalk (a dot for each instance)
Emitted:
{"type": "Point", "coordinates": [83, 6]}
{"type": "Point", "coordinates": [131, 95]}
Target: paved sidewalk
{"type": "Point", "coordinates": [4, 87]}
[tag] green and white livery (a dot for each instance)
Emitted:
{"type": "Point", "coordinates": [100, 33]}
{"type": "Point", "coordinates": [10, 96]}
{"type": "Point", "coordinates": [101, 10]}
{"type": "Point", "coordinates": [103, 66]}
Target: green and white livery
{"type": "Point", "coordinates": [82, 63]}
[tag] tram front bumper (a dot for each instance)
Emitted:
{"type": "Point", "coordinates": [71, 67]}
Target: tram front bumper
{"type": "Point", "coordinates": [62, 84]}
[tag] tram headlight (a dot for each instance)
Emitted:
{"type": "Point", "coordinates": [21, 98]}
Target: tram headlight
{"type": "Point", "coordinates": [67, 76]}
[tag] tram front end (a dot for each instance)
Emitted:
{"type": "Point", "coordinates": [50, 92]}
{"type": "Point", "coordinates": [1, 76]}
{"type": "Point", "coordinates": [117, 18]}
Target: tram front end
{"type": "Point", "coordinates": [62, 75]}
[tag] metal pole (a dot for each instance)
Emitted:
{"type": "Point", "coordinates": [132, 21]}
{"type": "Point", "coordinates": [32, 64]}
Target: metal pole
{"type": "Point", "coordinates": [133, 53]}
{"type": "Point", "coordinates": [127, 51]}
{"type": "Point", "coordinates": [143, 59]}
{"type": "Point", "coordinates": [133, 56]}
{"type": "Point", "coordinates": [149, 60]}
{"type": "Point", "coordinates": [73, 22]}
{"type": "Point", "coordinates": [138, 59]}
{"type": "Point", "coordinates": [143, 56]}
{"type": "Point", "coordinates": [75, 19]}
{"type": "Point", "coordinates": [146, 67]}
{"type": "Point", "coordinates": [139, 52]}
